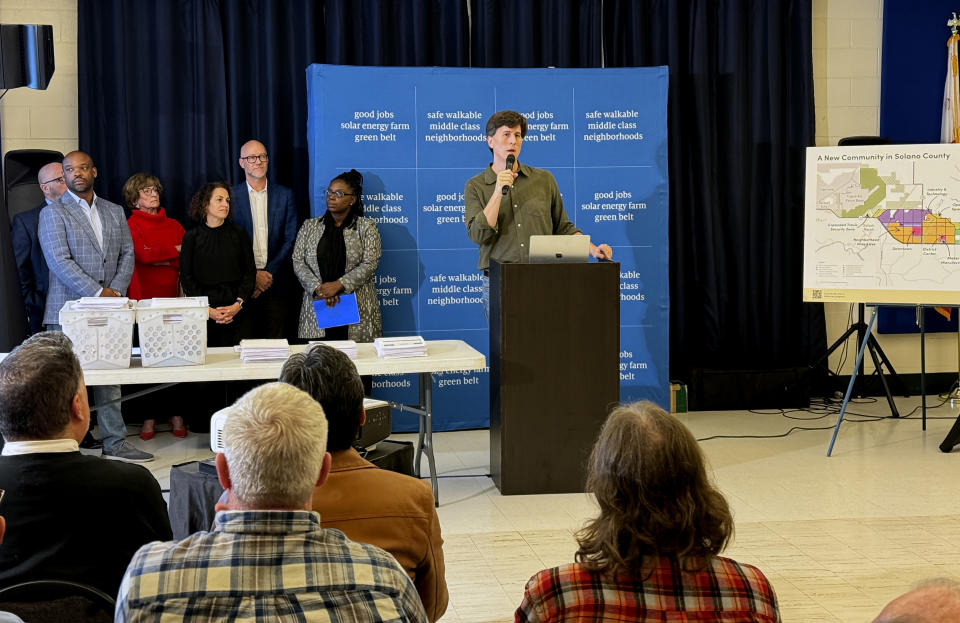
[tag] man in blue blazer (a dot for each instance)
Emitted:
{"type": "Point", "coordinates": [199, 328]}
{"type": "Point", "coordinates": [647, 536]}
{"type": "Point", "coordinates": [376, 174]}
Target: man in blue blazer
{"type": "Point", "coordinates": [270, 218]}
{"type": "Point", "coordinates": [89, 251]}
{"type": "Point", "coordinates": [31, 267]}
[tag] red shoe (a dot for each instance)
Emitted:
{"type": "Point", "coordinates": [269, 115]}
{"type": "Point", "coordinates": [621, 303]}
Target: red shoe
{"type": "Point", "coordinates": [179, 430]}
{"type": "Point", "coordinates": [147, 430]}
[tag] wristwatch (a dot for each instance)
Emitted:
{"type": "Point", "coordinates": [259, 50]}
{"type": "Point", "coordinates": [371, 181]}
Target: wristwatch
{"type": "Point", "coordinates": [240, 300]}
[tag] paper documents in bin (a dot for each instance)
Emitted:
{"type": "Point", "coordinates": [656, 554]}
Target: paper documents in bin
{"type": "Point", "coordinates": [90, 303]}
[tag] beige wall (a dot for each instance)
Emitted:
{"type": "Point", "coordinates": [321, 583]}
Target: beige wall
{"type": "Point", "coordinates": [846, 75]}
{"type": "Point", "coordinates": [47, 119]}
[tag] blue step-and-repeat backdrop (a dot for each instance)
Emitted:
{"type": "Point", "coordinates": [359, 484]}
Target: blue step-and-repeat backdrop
{"type": "Point", "coordinates": [417, 135]}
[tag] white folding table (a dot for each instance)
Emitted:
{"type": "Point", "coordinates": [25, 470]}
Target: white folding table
{"type": "Point", "coordinates": [223, 364]}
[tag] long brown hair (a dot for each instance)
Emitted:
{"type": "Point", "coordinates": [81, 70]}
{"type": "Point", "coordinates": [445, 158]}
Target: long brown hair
{"type": "Point", "coordinates": [650, 480]}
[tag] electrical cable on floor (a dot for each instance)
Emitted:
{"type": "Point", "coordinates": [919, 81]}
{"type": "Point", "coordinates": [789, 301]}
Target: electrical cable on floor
{"type": "Point", "coordinates": [822, 408]}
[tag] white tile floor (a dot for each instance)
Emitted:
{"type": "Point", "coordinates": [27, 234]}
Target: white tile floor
{"type": "Point", "coordinates": [838, 536]}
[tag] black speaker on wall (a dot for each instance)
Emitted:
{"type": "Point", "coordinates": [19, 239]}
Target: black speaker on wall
{"type": "Point", "coordinates": [26, 55]}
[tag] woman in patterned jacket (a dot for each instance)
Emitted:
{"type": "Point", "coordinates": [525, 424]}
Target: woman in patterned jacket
{"type": "Point", "coordinates": [338, 253]}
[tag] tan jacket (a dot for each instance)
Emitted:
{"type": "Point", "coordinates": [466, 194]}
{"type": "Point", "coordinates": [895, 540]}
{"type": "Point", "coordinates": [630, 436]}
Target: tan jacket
{"type": "Point", "coordinates": [393, 512]}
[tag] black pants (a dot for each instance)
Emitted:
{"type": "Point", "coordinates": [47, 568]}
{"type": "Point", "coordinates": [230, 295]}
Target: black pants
{"type": "Point", "coordinates": [268, 312]}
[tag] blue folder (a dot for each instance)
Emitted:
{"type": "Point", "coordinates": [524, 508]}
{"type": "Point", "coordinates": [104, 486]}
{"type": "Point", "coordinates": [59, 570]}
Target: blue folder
{"type": "Point", "coordinates": [344, 312]}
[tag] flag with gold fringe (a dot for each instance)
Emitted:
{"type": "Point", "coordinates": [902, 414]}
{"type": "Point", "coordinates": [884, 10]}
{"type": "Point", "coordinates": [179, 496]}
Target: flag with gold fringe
{"type": "Point", "coordinates": [950, 120]}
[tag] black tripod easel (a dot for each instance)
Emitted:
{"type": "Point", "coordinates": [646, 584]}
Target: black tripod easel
{"type": "Point", "coordinates": [860, 326]}
{"type": "Point", "coordinates": [879, 357]}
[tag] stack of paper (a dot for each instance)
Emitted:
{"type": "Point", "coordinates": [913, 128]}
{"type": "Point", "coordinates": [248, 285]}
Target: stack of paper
{"type": "Point", "coordinates": [183, 301]}
{"type": "Point", "coordinates": [398, 347]}
{"type": "Point", "coordinates": [347, 346]}
{"type": "Point", "coordinates": [254, 351]}
{"type": "Point", "coordinates": [175, 304]}
{"type": "Point", "coordinates": [101, 303]}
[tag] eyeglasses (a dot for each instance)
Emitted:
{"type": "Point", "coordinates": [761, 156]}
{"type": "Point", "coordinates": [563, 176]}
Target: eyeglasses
{"type": "Point", "coordinates": [150, 190]}
{"type": "Point", "coordinates": [56, 180]}
{"type": "Point", "coordinates": [79, 167]}
{"type": "Point", "coordinates": [254, 159]}
{"type": "Point", "coordinates": [339, 194]}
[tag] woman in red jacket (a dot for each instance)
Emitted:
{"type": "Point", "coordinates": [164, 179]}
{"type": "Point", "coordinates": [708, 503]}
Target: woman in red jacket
{"type": "Point", "coordinates": [156, 240]}
{"type": "Point", "coordinates": [156, 248]}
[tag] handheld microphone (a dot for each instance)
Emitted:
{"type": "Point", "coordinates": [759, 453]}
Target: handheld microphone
{"type": "Point", "coordinates": [511, 160]}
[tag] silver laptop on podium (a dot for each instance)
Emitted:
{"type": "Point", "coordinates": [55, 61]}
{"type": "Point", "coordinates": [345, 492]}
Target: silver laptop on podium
{"type": "Point", "coordinates": [549, 249]}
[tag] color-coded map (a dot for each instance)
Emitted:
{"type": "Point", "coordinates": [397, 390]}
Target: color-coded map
{"type": "Point", "coordinates": [883, 224]}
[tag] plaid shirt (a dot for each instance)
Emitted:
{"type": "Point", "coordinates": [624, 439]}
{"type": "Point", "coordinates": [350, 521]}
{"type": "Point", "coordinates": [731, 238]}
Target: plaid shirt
{"type": "Point", "coordinates": [725, 592]}
{"type": "Point", "coordinates": [266, 566]}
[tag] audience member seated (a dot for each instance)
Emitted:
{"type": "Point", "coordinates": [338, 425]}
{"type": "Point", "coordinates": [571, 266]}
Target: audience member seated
{"type": "Point", "coordinates": [7, 617]}
{"type": "Point", "coordinates": [70, 516]}
{"type": "Point", "coordinates": [267, 558]}
{"type": "Point", "coordinates": [931, 601]}
{"type": "Point", "coordinates": [368, 504]}
{"type": "Point", "coordinates": [652, 553]}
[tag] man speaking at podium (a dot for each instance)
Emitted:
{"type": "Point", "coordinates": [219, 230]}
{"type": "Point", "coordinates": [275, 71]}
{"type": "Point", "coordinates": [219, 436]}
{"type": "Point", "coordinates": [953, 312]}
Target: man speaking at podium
{"type": "Point", "coordinates": [508, 202]}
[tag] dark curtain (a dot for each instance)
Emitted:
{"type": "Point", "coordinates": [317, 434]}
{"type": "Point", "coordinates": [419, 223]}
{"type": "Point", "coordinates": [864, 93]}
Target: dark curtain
{"type": "Point", "coordinates": [152, 95]}
{"type": "Point", "coordinates": [740, 116]}
{"type": "Point", "coordinates": [536, 33]}
{"type": "Point", "coordinates": [267, 47]}
{"type": "Point", "coordinates": [174, 87]}
{"type": "Point", "coordinates": [412, 33]}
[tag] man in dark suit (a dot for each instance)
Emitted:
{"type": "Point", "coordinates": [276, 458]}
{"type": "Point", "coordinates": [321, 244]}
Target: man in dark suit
{"type": "Point", "coordinates": [70, 516]}
{"type": "Point", "coordinates": [270, 218]}
{"type": "Point", "coordinates": [89, 251]}
{"type": "Point", "coordinates": [31, 267]}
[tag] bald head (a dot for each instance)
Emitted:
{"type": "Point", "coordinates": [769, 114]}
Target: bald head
{"type": "Point", "coordinates": [50, 179]}
{"type": "Point", "coordinates": [78, 156]}
{"type": "Point", "coordinates": [252, 147]}
{"type": "Point", "coordinates": [253, 161]}
{"type": "Point", "coordinates": [934, 601]}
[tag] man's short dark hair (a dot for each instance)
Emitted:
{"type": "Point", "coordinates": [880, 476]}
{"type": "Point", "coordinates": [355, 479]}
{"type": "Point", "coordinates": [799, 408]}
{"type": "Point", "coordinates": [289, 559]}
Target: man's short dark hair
{"type": "Point", "coordinates": [38, 381]}
{"type": "Point", "coordinates": [509, 118]}
{"type": "Point", "coordinates": [330, 377]}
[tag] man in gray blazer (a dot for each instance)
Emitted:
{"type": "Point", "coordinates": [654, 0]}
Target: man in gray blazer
{"type": "Point", "coordinates": [87, 245]}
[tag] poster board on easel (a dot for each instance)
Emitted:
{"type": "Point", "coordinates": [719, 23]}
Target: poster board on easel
{"type": "Point", "coordinates": [882, 225]}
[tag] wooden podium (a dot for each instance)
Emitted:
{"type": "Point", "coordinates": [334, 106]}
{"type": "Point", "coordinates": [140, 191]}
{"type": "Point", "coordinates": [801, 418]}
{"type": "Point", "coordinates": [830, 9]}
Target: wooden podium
{"type": "Point", "coordinates": [554, 371]}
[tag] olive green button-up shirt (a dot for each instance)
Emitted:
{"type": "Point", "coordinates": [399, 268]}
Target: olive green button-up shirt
{"type": "Point", "coordinates": [532, 207]}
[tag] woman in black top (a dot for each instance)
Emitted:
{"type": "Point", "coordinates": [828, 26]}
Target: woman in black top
{"type": "Point", "coordinates": [216, 261]}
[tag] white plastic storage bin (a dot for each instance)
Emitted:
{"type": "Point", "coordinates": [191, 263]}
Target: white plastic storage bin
{"type": "Point", "coordinates": [173, 332]}
{"type": "Point", "coordinates": [102, 338]}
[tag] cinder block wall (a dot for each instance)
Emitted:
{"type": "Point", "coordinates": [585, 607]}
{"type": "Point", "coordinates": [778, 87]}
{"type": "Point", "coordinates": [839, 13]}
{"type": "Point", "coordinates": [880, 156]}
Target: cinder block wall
{"type": "Point", "coordinates": [47, 119]}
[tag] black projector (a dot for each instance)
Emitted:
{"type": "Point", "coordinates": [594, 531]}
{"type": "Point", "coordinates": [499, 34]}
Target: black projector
{"type": "Point", "coordinates": [377, 426]}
